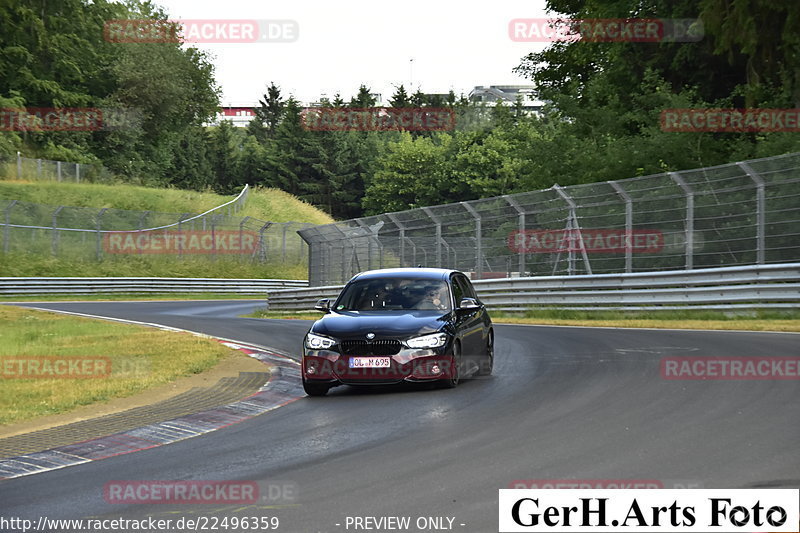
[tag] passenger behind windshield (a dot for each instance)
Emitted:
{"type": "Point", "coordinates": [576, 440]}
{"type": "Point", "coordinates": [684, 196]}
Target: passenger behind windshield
{"type": "Point", "coordinates": [394, 295]}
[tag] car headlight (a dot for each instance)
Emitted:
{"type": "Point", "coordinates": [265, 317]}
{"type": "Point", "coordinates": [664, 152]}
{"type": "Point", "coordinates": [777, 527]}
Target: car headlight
{"type": "Point", "coordinates": [427, 341]}
{"type": "Point", "coordinates": [318, 342]}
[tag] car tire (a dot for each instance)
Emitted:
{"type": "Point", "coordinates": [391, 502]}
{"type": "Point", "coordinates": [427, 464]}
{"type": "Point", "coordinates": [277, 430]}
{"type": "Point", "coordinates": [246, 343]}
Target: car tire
{"type": "Point", "coordinates": [316, 389]}
{"type": "Point", "coordinates": [486, 370]}
{"type": "Point", "coordinates": [452, 381]}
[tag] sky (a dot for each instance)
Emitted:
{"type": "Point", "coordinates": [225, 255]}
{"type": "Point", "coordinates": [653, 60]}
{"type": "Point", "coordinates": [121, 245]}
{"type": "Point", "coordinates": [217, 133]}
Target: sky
{"type": "Point", "coordinates": [435, 45]}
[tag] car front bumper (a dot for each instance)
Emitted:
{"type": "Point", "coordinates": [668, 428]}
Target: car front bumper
{"type": "Point", "coordinates": [414, 365]}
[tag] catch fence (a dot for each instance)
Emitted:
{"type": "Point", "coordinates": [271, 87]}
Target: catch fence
{"type": "Point", "coordinates": [743, 213]}
{"type": "Point", "coordinates": [30, 169]}
{"type": "Point", "coordinates": [82, 233]}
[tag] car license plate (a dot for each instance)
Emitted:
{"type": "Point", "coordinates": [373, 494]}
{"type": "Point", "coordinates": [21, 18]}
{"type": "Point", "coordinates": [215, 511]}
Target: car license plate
{"type": "Point", "coordinates": [370, 362]}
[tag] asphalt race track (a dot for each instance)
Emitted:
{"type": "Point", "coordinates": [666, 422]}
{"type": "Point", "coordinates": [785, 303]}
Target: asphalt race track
{"type": "Point", "coordinates": [563, 403]}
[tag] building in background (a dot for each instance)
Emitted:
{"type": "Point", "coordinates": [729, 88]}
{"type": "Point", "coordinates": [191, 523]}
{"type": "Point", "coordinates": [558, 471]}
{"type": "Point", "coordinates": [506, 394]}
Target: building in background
{"type": "Point", "coordinates": [507, 94]}
{"type": "Point", "coordinates": [240, 115]}
{"type": "Point", "coordinates": [324, 99]}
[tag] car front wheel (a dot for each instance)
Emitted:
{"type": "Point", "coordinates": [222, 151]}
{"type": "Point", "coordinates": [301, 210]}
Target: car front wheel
{"type": "Point", "coordinates": [488, 365]}
{"type": "Point", "coordinates": [454, 375]}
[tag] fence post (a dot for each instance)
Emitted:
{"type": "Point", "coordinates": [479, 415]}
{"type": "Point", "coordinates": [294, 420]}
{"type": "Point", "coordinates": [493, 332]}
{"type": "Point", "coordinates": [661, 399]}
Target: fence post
{"type": "Point", "coordinates": [521, 213]}
{"type": "Point", "coordinates": [55, 229]}
{"type": "Point", "coordinates": [760, 211]}
{"type": "Point", "coordinates": [628, 224]}
{"type": "Point", "coordinates": [689, 223]}
{"type": "Point", "coordinates": [239, 200]}
{"type": "Point", "coordinates": [183, 217]}
{"type": "Point", "coordinates": [241, 233]}
{"type": "Point", "coordinates": [77, 172]}
{"type": "Point", "coordinates": [478, 243]}
{"type": "Point", "coordinates": [141, 227]}
{"type": "Point", "coordinates": [99, 249]}
{"type": "Point", "coordinates": [262, 244]}
{"type": "Point", "coordinates": [19, 166]}
{"type": "Point", "coordinates": [301, 245]}
{"type": "Point", "coordinates": [39, 169]}
{"type": "Point", "coordinates": [6, 229]}
{"type": "Point", "coordinates": [58, 170]}
{"type": "Point", "coordinates": [214, 219]}
{"type": "Point", "coordinates": [572, 225]}
{"type": "Point", "coordinates": [343, 276]}
{"type": "Point", "coordinates": [402, 242]}
{"type": "Point", "coordinates": [283, 241]}
{"type": "Point", "coordinates": [438, 223]}
{"type": "Point", "coordinates": [364, 226]}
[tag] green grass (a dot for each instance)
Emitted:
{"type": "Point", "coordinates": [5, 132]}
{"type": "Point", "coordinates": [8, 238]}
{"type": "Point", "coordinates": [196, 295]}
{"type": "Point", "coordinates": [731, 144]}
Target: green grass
{"type": "Point", "coordinates": [30, 264]}
{"type": "Point", "coordinates": [263, 312]}
{"type": "Point", "coordinates": [674, 314]}
{"type": "Point", "coordinates": [762, 320]}
{"type": "Point", "coordinates": [788, 320]}
{"type": "Point", "coordinates": [140, 358]}
{"type": "Point", "coordinates": [31, 251]}
{"type": "Point", "coordinates": [127, 297]}
{"type": "Point", "coordinates": [279, 206]}
{"type": "Point", "coordinates": [265, 204]}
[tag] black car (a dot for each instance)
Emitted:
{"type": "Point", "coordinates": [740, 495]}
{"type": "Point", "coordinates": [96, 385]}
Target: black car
{"type": "Point", "coordinates": [401, 324]}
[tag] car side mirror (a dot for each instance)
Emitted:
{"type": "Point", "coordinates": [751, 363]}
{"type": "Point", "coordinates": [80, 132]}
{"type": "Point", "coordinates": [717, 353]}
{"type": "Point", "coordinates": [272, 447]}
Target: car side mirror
{"type": "Point", "coordinates": [323, 305]}
{"type": "Point", "coordinates": [468, 303]}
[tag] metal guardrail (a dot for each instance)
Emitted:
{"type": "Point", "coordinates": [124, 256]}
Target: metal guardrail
{"type": "Point", "coordinates": [78, 286]}
{"type": "Point", "coordinates": [743, 287]}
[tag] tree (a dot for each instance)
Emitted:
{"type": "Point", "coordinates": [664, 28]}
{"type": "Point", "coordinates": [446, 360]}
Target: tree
{"type": "Point", "coordinates": [363, 99]}
{"type": "Point", "coordinates": [411, 173]}
{"type": "Point", "coordinates": [766, 33]}
{"type": "Point", "coordinates": [191, 167]}
{"type": "Point", "coordinates": [53, 55]}
{"type": "Point", "coordinates": [291, 155]}
{"type": "Point", "coordinates": [271, 110]}
{"type": "Point", "coordinates": [400, 98]}
{"type": "Point", "coordinates": [223, 156]}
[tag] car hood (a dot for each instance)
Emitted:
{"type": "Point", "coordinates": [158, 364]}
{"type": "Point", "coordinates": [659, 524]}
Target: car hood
{"type": "Point", "coordinates": [384, 324]}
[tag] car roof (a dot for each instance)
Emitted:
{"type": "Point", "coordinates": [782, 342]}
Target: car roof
{"type": "Point", "coordinates": [418, 273]}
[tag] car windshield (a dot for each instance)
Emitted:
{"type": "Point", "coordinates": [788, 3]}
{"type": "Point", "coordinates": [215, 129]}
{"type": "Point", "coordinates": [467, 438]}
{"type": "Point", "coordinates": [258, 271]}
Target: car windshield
{"type": "Point", "coordinates": [394, 294]}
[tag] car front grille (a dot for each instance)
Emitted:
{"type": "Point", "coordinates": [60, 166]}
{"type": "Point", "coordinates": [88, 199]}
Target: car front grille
{"type": "Point", "coordinates": [376, 347]}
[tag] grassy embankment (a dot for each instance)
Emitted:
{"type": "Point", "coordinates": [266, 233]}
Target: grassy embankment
{"type": "Point", "coordinates": [76, 257]}
{"type": "Point", "coordinates": [124, 359]}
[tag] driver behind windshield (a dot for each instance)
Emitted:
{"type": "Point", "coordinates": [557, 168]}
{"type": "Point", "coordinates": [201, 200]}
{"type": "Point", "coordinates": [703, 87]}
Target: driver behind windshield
{"type": "Point", "coordinates": [432, 298]}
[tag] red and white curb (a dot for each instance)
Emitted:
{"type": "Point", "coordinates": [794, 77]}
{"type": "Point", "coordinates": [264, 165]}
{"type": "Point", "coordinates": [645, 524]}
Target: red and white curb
{"type": "Point", "coordinates": [283, 387]}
